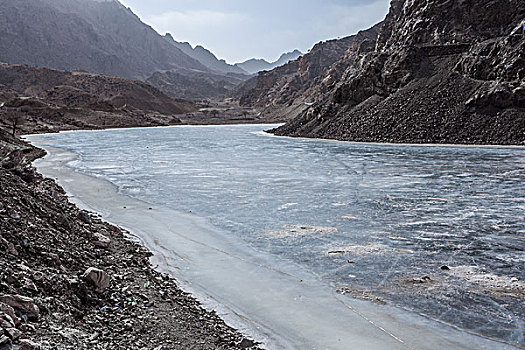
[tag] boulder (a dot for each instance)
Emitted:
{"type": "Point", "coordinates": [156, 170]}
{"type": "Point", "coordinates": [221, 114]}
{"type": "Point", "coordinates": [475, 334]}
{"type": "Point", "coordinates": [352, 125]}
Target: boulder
{"type": "Point", "coordinates": [246, 343]}
{"type": "Point", "coordinates": [84, 217]}
{"type": "Point", "coordinates": [97, 277]}
{"type": "Point", "coordinates": [11, 249]}
{"type": "Point", "coordinates": [23, 304]}
{"type": "Point", "coordinates": [9, 246]}
{"type": "Point", "coordinates": [101, 240]}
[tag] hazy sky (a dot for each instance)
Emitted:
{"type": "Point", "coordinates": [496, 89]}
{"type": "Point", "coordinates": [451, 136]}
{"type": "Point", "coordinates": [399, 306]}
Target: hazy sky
{"type": "Point", "coordinates": [240, 29]}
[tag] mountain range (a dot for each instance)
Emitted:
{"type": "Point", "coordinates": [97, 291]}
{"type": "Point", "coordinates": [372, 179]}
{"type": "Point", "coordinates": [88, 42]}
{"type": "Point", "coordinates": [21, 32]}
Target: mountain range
{"type": "Point", "coordinates": [205, 57]}
{"type": "Point", "coordinates": [85, 35]}
{"type": "Point", "coordinates": [105, 37]}
{"type": "Point", "coordinates": [431, 71]}
{"type": "Point", "coordinates": [254, 65]}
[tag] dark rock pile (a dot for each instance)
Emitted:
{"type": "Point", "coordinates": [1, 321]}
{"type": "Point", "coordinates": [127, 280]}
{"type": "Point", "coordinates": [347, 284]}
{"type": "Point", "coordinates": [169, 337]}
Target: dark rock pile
{"type": "Point", "coordinates": [68, 280]}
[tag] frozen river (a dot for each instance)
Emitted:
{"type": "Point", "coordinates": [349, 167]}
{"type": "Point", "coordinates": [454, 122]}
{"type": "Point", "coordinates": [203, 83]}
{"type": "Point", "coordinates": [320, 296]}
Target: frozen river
{"type": "Point", "coordinates": [438, 231]}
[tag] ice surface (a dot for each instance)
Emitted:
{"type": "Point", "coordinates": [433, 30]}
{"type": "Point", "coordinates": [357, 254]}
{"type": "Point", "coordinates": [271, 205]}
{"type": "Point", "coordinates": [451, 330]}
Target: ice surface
{"type": "Point", "coordinates": [395, 213]}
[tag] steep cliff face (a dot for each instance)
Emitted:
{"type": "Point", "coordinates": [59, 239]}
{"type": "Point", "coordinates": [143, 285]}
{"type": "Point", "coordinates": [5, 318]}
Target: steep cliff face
{"type": "Point", "coordinates": [437, 71]}
{"type": "Point", "coordinates": [440, 22]}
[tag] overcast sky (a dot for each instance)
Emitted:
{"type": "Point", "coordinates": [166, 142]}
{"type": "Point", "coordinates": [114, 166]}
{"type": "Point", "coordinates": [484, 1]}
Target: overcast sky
{"type": "Point", "coordinates": [241, 29]}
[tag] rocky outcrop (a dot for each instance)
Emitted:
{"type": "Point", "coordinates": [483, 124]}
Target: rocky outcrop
{"type": "Point", "coordinates": [436, 71]}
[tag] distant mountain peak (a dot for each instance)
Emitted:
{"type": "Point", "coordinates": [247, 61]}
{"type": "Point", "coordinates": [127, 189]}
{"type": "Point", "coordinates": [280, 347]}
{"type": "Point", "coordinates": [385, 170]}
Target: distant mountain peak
{"type": "Point", "coordinates": [256, 65]}
{"type": "Point", "coordinates": [288, 56]}
{"type": "Point", "coordinates": [294, 52]}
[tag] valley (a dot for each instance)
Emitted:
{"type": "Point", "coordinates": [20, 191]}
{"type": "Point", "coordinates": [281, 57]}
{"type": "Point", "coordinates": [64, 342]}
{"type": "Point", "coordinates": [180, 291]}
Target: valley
{"type": "Point", "coordinates": [362, 191]}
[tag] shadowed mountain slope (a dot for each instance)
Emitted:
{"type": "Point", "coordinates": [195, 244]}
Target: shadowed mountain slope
{"type": "Point", "coordinates": [96, 37]}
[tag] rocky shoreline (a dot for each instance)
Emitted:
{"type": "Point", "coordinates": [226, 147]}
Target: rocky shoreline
{"type": "Point", "coordinates": [69, 280]}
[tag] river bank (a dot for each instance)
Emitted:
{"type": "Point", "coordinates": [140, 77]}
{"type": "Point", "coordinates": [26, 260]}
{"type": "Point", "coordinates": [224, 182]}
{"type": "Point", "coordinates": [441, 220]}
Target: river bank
{"type": "Point", "coordinates": [70, 280]}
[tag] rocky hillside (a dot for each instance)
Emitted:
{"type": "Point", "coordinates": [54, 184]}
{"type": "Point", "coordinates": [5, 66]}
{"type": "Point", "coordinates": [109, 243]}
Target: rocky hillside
{"type": "Point", "coordinates": [254, 66]}
{"type": "Point", "coordinates": [57, 99]}
{"type": "Point", "coordinates": [436, 71]}
{"type": "Point", "coordinates": [193, 85]}
{"type": "Point", "coordinates": [288, 89]}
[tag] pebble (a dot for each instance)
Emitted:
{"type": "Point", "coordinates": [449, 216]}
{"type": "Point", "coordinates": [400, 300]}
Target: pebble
{"type": "Point", "coordinates": [26, 344]}
{"type": "Point", "coordinates": [4, 340]}
{"type": "Point", "coordinates": [101, 240]}
{"type": "Point", "coordinates": [84, 217]}
{"type": "Point", "coordinates": [13, 333]}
